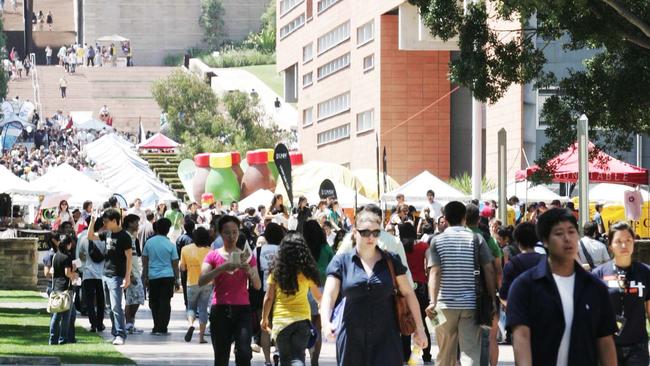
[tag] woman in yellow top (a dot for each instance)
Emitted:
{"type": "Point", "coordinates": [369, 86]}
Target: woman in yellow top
{"type": "Point", "coordinates": [198, 297]}
{"type": "Point", "coordinates": [294, 274]}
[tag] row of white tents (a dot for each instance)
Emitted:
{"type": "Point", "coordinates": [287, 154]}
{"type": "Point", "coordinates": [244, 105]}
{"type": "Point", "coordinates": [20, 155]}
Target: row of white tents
{"type": "Point", "coordinates": [118, 170]}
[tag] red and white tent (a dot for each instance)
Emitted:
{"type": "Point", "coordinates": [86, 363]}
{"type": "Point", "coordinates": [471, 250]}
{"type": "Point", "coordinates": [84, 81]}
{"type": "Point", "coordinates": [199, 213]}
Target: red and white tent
{"type": "Point", "coordinates": [158, 141]}
{"type": "Point", "coordinates": [602, 169]}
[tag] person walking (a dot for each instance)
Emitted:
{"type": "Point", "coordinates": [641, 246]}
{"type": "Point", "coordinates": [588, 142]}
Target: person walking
{"type": "Point", "coordinates": [231, 274]}
{"type": "Point", "coordinates": [558, 313]}
{"type": "Point", "coordinates": [160, 274]}
{"type": "Point", "coordinates": [182, 241]}
{"type": "Point", "coordinates": [452, 287]}
{"type": "Point", "coordinates": [92, 269]}
{"type": "Point", "coordinates": [63, 85]}
{"type": "Point", "coordinates": [90, 57]}
{"type": "Point", "coordinates": [49, 20]}
{"type": "Point", "coordinates": [175, 216]}
{"type": "Point", "coordinates": [63, 273]}
{"type": "Point", "coordinates": [198, 297]}
{"type": "Point", "coordinates": [591, 253]}
{"type": "Point", "coordinates": [416, 257]}
{"type": "Point", "coordinates": [295, 274]}
{"type": "Point", "coordinates": [48, 55]}
{"type": "Point", "coordinates": [134, 295]}
{"type": "Point", "coordinates": [627, 282]}
{"type": "Point", "coordinates": [117, 268]}
{"type": "Point", "coordinates": [368, 333]}
{"type": "Point", "coordinates": [323, 254]}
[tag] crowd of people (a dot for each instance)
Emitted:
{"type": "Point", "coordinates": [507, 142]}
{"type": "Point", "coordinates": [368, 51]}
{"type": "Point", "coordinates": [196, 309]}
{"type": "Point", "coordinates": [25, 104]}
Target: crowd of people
{"type": "Point", "coordinates": [39, 21]}
{"type": "Point", "coordinates": [278, 282]}
{"type": "Point", "coordinates": [90, 55]}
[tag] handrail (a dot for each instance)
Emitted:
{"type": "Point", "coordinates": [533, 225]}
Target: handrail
{"type": "Point", "coordinates": [35, 85]}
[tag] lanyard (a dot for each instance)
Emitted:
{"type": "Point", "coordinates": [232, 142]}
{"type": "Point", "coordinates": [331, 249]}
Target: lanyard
{"type": "Point", "coordinates": [623, 284]}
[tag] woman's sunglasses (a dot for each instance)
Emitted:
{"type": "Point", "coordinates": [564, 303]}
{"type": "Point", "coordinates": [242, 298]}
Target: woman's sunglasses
{"type": "Point", "coordinates": [367, 233]}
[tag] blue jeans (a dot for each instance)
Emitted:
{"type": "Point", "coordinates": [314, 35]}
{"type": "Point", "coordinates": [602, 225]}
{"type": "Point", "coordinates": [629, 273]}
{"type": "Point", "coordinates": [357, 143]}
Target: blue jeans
{"type": "Point", "coordinates": [59, 327]}
{"type": "Point", "coordinates": [113, 295]}
{"type": "Point", "coordinates": [198, 302]}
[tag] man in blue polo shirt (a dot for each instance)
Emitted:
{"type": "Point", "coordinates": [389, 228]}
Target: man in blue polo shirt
{"type": "Point", "coordinates": [558, 313]}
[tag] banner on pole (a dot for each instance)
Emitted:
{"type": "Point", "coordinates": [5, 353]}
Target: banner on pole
{"type": "Point", "coordinates": [327, 189]}
{"type": "Point", "coordinates": [283, 163]}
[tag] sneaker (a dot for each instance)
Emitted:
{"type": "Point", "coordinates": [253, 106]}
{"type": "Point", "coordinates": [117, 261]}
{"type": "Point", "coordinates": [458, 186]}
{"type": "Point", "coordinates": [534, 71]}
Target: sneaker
{"type": "Point", "coordinates": [188, 335]}
{"type": "Point", "coordinates": [118, 341]}
{"type": "Point", "coordinates": [101, 328]}
{"type": "Point", "coordinates": [256, 348]}
{"type": "Point", "coordinates": [134, 330]}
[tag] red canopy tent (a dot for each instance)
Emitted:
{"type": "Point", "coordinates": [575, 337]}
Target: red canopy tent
{"type": "Point", "coordinates": [602, 169]}
{"type": "Point", "coordinates": [158, 141]}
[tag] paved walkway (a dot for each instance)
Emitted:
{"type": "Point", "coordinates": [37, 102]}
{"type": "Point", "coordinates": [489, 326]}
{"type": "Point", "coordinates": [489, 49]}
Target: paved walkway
{"type": "Point", "coordinates": [146, 349]}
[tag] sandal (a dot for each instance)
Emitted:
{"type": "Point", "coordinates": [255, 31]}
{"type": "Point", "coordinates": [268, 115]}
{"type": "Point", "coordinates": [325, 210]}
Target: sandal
{"type": "Point", "coordinates": [188, 335]}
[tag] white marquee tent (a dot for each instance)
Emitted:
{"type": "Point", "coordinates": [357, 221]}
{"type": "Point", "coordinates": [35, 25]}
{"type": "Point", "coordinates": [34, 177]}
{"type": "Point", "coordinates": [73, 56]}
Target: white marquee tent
{"type": "Point", "coordinates": [344, 196]}
{"type": "Point", "coordinates": [415, 191]}
{"type": "Point", "coordinates": [66, 179]}
{"type": "Point", "coordinates": [124, 172]}
{"type": "Point", "coordinates": [526, 192]}
{"type": "Point", "coordinates": [259, 197]}
{"type": "Point", "coordinates": [10, 183]}
{"type": "Point", "coordinates": [612, 193]}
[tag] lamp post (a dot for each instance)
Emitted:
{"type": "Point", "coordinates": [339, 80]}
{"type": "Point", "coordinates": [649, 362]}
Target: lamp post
{"type": "Point", "coordinates": [583, 168]}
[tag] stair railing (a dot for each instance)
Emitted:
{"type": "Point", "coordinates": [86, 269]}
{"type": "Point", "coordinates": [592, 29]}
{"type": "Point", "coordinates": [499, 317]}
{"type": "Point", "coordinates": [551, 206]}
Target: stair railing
{"type": "Point", "coordinates": [35, 85]}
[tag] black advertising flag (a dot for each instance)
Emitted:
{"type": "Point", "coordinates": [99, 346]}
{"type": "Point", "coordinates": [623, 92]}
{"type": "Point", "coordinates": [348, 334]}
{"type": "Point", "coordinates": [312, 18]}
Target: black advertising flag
{"type": "Point", "coordinates": [385, 171]}
{"type": "Point", "coordinates": [283, 162]}
{"type": "Point", "coordinates": [327, 189]}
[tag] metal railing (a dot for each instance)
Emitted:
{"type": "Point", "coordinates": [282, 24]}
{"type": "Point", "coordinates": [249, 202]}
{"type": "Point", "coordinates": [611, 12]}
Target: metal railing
{"type": "Point", "coordinates": [35, 85]}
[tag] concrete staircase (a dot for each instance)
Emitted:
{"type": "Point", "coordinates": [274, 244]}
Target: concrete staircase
{"type": "Point", "coordinates": [166, 168]}
{"type": "Point", "coordinates": [125, 91]}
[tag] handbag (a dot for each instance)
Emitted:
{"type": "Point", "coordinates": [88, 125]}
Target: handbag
{"type": "Point", "coordinates": [405, 319]}
{"type": "Point", "coordinates": [485, 307]}
{"type": "Point", "coordinates": [59, 301]}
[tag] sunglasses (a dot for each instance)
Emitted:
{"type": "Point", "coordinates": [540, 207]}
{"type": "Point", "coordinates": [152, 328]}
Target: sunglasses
{"type": "Point", "coordinates": [367, 233]}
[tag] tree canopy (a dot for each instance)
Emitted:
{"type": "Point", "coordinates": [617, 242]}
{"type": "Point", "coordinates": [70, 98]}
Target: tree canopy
{"type": "Point", "coordinates": [613, 88]}
{"type": "Point", "coordinates": [202, 123]}
{"type": "Point", "coordinates": [211, 20]}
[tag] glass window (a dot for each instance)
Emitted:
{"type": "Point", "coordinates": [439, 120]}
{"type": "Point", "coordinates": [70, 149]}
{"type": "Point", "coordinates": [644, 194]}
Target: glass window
{"type": "Point", "coordinates": [365, 121]}
{"type": "Point", "coordinates": [334, 37]}
{"type": "Point", "coordinates": [335, 134]}
{"type": "Point", "coordinates": [307, 79]}
{"type": "Point", "coordinates": [334, 106]}
{"type": "Point", "coordinates": [307, 116]}
{"type": "Point", "coordinates": [326, 4]}
{"type": "Point", "coordinates": [369, 62]}
{"type": "Point", "coordinates": [366, 33]}
{"type": "Point", "coordinates": [334, 66]}
{"type": "Point", "coordinates": [288, 5]}
{"type": "Point", "coordinates": [292, 26]}
{"type": "Point", "coordinates": [307, 53]}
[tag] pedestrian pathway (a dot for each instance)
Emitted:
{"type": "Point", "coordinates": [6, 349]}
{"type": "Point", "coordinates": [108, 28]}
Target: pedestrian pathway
{"type": "Point", "coordinates": [146, 349]}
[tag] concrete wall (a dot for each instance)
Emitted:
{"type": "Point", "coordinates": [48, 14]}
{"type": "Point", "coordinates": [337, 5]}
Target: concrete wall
{"type": "Point", "coordinates": [158, 28]}
{"type": "Point", "coordinates": [18, 264]}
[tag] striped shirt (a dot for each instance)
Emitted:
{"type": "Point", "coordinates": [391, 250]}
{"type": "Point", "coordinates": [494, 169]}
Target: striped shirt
{"type": "Point", "coordinates": [453, 252]}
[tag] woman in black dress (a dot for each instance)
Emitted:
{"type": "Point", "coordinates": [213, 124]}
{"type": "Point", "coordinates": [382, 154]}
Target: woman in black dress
{"type": "Point", "coordinates": [63, 273]}
{"type": "Point", "coordinates": [368, 333]}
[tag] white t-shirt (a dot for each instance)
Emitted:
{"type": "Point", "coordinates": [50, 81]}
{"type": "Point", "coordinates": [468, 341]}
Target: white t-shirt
{"type": "Point", "coordinates": [565, 286]}
{"type": "Point", "coordinates": [267, 256]}
{"type": "Point", "coordinates": [435, 209]}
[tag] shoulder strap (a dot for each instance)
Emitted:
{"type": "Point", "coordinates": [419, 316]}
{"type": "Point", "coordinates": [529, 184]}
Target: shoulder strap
{"type": "Point", "coordinates": [476, 241]}
{"type": "Point", "coordinates": [391, 269]}
{"type": "Point", "coordinates": [587, 255]}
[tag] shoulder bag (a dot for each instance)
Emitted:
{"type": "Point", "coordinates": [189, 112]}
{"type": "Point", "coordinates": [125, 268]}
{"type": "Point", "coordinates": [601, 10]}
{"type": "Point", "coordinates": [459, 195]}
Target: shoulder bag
{"type": "Point", "coordinates": [59, 301]}
{"type": "Point", "coordinates": [485, 307]}
{"type": "Point", "coordinates": [405, 319]}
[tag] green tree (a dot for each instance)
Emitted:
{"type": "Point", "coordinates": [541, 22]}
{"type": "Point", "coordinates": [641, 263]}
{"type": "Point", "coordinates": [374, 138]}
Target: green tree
{"type": "Point", "coordinates": [201, 124]}
{"type": "Point", "coordinates": [612, 90]}
{"type": "Point", "coordinates": [3, 76]}
{"type": "Point", "coordinates": [264, 40]}
{"type": "Point", "coordinates": [211, 20]}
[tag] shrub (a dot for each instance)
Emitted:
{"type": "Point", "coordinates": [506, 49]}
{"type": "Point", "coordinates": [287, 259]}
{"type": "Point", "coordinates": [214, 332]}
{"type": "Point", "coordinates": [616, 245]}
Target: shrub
{"type": "Point", "coordinates": [239, 57]}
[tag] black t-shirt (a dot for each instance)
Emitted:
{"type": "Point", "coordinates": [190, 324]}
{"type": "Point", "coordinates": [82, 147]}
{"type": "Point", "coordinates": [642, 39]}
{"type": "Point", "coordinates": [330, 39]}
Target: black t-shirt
{"type": "Point", "coordinates": [116, 244]}
{"type": "Point", "coordinates": [59, 264]}
{"type": "Point", "coordinates": [635, 293]}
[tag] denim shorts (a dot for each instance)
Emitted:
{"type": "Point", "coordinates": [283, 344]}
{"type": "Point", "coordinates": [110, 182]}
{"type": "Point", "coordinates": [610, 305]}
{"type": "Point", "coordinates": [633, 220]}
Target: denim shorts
{"type": "Point", "coordinates": [198, 302]}
{"type": "Point", "coordinates": [134, 294]}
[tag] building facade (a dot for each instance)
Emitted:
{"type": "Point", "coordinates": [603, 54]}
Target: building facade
{"type": "Point", "coordinates": [355, 89]}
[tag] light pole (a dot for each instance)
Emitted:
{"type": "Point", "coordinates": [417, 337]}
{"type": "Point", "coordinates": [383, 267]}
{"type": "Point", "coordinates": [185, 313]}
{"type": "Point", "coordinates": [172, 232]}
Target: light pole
{"type": "Point", "coordinates": [583, 168]}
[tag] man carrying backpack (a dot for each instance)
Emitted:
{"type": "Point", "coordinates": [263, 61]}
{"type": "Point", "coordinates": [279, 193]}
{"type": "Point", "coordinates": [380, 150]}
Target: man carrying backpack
{"type": "Point", "coordinates": [91, 254]}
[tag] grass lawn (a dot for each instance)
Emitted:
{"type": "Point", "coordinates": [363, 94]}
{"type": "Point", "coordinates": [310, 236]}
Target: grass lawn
{"type": "Point", "coordinates": [25, 333]}
{"type": "Point", "coordinates": [269, 75]}
{"type": "Point", "coordinates": [21, 296]}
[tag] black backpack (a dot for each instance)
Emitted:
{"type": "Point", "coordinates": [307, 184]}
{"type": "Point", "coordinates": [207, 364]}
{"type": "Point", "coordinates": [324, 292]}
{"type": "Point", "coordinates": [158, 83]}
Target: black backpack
{"type": "Point", "coordinates": [95, 253]}
{"type": "Point", "coordinates": [5, 205]}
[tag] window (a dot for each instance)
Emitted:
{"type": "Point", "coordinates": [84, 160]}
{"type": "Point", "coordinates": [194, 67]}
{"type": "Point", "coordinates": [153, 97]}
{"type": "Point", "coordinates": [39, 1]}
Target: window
{"type": "Point", "coordinates": [334, 66]}
{"type": "Point", "coordinates": [288, 5]}
{"type": "Point", "coordinates": [307, 79]}
{"type": "Point", "coordinates": [334, 37]}
{"type": "Point", "coordinates": [369, 62]}
{"type": "Point", "coordinates": [326, 4]}
{"type": "Point", "coordinates": [366, 33]}
{"type": "Point", "coordinates": [292, 26]}
{"type": "Point", "coordinates": [334, 106]}
{"type": "Point", "coordinates": [335, 134]}
{"type": "Point", "coordinates": [365, 121]}
{"type": "Point", "coordinates": [307, 53]}
{"type": "Point", "coordinates": [307, 116]}
{"type": "Point", "coordinates": [542, 97]}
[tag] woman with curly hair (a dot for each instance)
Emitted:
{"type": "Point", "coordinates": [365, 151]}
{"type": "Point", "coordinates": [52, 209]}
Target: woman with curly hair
{"type": "Point", "coordinates": [294, 275]}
